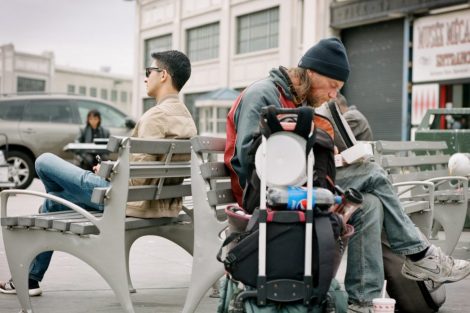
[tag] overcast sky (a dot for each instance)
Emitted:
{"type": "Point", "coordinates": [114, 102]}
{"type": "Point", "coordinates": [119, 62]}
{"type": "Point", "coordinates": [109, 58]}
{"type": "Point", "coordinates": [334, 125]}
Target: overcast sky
{"type": "Point", "coordinates": [85, 34]}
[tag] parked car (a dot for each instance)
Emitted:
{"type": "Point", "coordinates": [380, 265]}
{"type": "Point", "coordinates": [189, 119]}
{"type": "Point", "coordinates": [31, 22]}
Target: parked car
{"type": "Point", "coordinates": [36, 124]}
{"type": "Point", "coordinates": [450, 125]}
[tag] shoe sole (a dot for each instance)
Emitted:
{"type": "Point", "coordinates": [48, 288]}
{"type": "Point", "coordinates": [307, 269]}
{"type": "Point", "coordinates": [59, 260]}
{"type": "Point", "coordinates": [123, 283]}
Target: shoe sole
{"type": "Point", "coordinates": [406, 271]}
{"type": "Point", "coordinates": [35, 292]}
{"type": "Point", "coordinates": [32, 292]}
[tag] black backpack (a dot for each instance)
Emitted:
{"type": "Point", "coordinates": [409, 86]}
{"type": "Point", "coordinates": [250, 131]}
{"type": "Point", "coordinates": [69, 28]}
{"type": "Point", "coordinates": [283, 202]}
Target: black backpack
{"type": "Point", "coordinates": [321, 139]}
{"type": "Point", "coordinates": [286, 229]}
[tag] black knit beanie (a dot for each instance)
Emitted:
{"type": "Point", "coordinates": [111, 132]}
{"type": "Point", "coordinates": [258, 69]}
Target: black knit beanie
{"type": "Point", "coordinates": [328, 57]}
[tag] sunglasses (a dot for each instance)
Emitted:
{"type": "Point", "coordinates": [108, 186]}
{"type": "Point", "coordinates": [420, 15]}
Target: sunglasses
{"type": "Point", "coordinates": [148, 70]}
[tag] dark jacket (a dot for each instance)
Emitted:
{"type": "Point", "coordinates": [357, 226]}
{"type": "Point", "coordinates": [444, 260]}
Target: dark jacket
{"type": "Point", "coordinates": [86, 134]}
{"type": "Point", "coordinates": [358, 123]}
{"type": "Point", "coordinates": [243, 121]}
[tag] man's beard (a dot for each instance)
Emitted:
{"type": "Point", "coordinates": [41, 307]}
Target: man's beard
{"type": "Point", "coordinates": [313, 101]}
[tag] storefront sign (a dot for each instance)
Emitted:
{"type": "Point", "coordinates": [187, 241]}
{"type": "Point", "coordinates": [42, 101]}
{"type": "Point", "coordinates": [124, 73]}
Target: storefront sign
{"type": "Point", "coordinates": [423, 97]}
{"type": "Point", "coordinates": [348, 13]}
{"type": "Point", "coordinates": [441, 47]}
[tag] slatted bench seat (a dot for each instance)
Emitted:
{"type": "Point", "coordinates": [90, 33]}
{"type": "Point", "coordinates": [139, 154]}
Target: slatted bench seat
{"type": "Point", "coordinates": [419, 163]}
{"type": "Point", "coordinates": [103, 239]}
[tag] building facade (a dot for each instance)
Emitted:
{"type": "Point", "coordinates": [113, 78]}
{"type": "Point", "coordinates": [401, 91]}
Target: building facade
{"type": "Point", "coordinates": [23, 72]}
{"type": "Point", "coordinates": [232, 43]}
{"type": "Point", "coordinates": [116, 89]}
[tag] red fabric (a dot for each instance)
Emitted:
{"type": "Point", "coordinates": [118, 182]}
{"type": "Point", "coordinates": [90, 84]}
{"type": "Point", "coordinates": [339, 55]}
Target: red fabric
{"type": "Point", "coordinates": [232, 139]}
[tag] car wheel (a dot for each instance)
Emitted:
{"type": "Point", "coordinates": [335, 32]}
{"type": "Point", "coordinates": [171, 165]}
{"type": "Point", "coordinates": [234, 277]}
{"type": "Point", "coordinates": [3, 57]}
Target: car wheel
{"type": "Point", "coordinates": [21, 169]}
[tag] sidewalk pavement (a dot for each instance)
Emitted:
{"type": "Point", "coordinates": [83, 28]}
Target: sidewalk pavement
{"type": "Point", "coordinates": [160, 271]}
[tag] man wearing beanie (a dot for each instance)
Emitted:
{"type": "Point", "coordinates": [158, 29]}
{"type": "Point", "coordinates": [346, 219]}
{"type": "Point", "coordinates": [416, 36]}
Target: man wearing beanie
{"type": "Point", "coordinates": [321, 73]}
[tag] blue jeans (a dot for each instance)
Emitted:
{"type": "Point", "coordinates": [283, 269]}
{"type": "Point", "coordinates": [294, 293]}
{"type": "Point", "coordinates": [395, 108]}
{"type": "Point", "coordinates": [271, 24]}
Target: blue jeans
{"type": "Point", "coordinates": [66, 181]}
{"type": "Point", "coordinates": [364, 274]}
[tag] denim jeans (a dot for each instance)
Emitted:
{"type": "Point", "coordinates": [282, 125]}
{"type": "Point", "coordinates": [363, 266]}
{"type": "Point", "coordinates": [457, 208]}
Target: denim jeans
{"type": "Point", "coordinates": [66, 181]}
{"type": "Point", "coordinates": [364, 274]}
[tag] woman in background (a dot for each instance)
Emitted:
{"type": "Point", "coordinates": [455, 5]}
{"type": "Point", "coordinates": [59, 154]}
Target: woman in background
{"type": "Point", "coordinates": [92, 130]}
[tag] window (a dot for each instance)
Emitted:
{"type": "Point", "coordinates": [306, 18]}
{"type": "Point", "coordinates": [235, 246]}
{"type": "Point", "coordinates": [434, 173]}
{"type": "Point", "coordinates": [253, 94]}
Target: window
{"type": "Point", "coordinates": [110, 117]}
{"type": "Point", "coordinates": [104, 94]}
{"type": "Point", "coordinates": [29, 84]}
{"type": "Point", "coordinates": [206, 122]}
{"type": "Point", "coordinates": [189, 101]}
{"type": "Point", "coordinates": [156, 44]}
{"type": "Point", "coordinates": [82, 90]}
{"type": "Point", "coordinates": [114, 95]}
{"type": "Point", "coordinates": [148, 103]}
{"type": "Point", "coordinates": [258, 31]}
{"type": "Point", "coordinates": [93, 92]}
{"type": "Point", "coordinates": [123, 96]}
{"type": "Point", "coordinates": [203, 42]}
{"type": "Point", "coordinates": [11, 110]}
{"type": "Point", "coordinates": [213, 119]}
{"type": "Point", "coordinates": [71, 89]}
{"type": "Point", "coordinates": [221, 119]}
{"type": "Point", "coordinates": [49, 111]}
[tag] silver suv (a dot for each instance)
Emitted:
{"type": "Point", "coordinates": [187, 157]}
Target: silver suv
{"type": "Point", "coordinates": [35, 124]}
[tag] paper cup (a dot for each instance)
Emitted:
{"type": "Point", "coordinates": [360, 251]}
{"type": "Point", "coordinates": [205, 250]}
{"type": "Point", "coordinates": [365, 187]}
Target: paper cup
{"type": "Point", "coordinates": [383, 305]}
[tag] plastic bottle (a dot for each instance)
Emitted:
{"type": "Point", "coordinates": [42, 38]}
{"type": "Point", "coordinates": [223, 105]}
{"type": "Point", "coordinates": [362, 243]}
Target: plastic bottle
{"type": "Point", "coordinates": [295, 198]}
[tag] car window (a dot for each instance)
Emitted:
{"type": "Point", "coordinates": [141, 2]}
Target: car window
{"type": "Point", "coordinates": [48, 111]}
{"type": "Point", "coordinates": [449, 121]}
{"type": "Point", "coordinates": [11, 110]}
{"type": "Point", "coordinates": [110, 117]}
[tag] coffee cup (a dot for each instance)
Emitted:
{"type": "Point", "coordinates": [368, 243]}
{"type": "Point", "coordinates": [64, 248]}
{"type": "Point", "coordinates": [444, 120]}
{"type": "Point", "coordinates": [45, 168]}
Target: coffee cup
{"type": "Point", "coordinates": [383, 305]}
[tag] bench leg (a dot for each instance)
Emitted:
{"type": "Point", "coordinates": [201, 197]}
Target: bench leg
{"type": "Point", "coordinates": [115, 273]}
{"type": "Point", "coordinates": [19, 258]}
{"type": "Point", "coordinates": [201, 281]}
{"type": "Point", "coordinates": [129, 243]}
{"type": "Point", "coordinates": [435, 230]}
{"type": "Point", "coordinates": [452, 218]}
{"type": "Point", "coordinates": [206, 270]}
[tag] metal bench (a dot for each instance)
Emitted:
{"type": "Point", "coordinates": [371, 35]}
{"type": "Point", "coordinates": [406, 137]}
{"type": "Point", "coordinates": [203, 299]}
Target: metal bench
{"type": "Point", "coordinates": [211, 189]}
{"type": "Point", "coordinates": [103, 239]}
{"type": "Point", "coordinates": [416, 164]}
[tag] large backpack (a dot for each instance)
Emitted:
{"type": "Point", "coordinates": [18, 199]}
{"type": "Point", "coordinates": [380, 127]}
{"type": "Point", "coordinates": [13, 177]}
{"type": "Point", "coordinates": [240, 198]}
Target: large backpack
{"type": "Point", "coordinates": [321, 138]}
{"type": "Point", "coordinates": [286, 232]}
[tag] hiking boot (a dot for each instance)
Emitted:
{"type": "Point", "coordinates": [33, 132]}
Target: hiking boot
{"type": "Point", "coordinates": [356, 308]}
{"type": "Point", "coordinates": [436, 266]}
{"type": "Point", "coordinates": [9, 288]}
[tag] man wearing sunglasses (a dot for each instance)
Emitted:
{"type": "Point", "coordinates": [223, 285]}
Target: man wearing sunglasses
{"type": "Point", "coordinates": [169, 118]}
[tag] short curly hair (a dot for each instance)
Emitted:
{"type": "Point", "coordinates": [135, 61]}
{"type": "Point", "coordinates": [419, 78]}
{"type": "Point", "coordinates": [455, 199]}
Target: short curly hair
{"type": "Point", "coordinates": [177, 64]}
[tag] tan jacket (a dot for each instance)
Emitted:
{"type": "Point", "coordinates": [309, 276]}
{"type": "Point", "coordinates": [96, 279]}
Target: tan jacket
{"type": "Point", "coordinates": [168, 119]}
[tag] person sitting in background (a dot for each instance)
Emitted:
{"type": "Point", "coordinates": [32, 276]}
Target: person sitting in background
{"type": "Point", "coordinates": [355, 119]}
{"type": "Point", "coordinates": [92, 130]}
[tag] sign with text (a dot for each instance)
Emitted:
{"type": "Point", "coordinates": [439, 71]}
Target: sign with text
{"type": "Point", "coordinates": [441, 47]}
{"type": "Point", "coordinates": [423, 97]}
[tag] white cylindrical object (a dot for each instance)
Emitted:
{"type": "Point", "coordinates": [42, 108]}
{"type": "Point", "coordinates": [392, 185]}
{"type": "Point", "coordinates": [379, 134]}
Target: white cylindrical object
{"type": "Point", "coordinates": [459, 164]}
{"type": "Point", "coordinates": [285, 165]}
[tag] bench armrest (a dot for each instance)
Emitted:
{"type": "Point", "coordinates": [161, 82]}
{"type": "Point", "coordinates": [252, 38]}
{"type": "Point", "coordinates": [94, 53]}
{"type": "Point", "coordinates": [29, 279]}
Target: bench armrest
{"type": "Point", "coordinates": [4, 195]}
{"type": "Point", "coordinates": [428, 188]}
{"type": "Point", "coordinates": [443, 179]}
